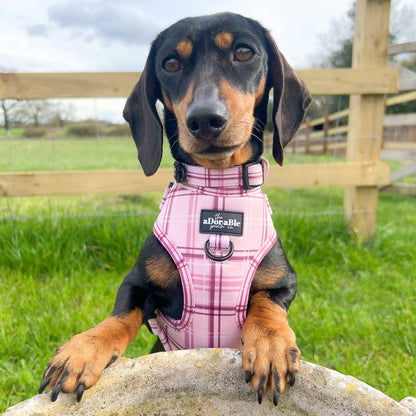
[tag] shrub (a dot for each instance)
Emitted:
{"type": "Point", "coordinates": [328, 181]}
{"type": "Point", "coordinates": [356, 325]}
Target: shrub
{"type": "Point", "coordinates": [85, 129]}
{"type": "Point", "coordinates": [119, 130]}
{"type": "Point", "coordinates": [35, 132]}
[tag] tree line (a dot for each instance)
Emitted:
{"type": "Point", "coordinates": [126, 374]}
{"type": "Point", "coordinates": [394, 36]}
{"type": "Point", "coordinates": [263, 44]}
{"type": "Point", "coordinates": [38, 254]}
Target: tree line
{"type": "Point", "coordinates": [35, 113]}
{"type": "Point", "coordinates": [336, 52]}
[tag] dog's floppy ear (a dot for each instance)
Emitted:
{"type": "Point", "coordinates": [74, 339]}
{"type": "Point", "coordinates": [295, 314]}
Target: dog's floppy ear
{"type": "Point", "coordinates": [145, 125]}
{"type": "Point", "coordinates": [291, 98]}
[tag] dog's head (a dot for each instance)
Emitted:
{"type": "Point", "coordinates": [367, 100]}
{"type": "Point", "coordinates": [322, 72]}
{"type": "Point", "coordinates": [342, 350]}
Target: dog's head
{"type": "Point", "coordinates": [213, 75]}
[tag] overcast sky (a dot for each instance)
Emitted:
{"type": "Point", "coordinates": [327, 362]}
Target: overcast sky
{"type": "Point", "coordinates": [114, 35]}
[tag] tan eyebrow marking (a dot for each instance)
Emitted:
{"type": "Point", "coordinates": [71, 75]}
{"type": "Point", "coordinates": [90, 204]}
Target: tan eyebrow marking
{"type": "Point", "coordinates": [184, 49]}
{"type": "Point", "coordinates": [167, 102]}
{"type": "Point", "coordinates": [224, 40]}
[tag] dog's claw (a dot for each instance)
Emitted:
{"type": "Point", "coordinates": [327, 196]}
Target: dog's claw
{"type": "Point", "coordinates": [55, 392]}
{"type": "Point", "coordinates": [44, 384]}
{"type": "Point", "coordinates": [113, 359]}
{"type": "Point", "coordinates": [248, 376]}
{"type": "Point", "coordinates": [49, 371]}
{"type": "Point", "coordinates": [276, 390]}
{"type": "Point", "coordinates": [292, 378]}
{"type": "Point", "coordinates": [80, 391]}
{"type": "Point", "coordinates": [261, 389]}
{"type": "Point", "coordinates": [275, 397]}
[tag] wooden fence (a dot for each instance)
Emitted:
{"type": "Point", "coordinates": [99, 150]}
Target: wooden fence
{"type": "Point", "coordinates": [367, 82]}
{"type": "Point", "coordinates": [319, 141]}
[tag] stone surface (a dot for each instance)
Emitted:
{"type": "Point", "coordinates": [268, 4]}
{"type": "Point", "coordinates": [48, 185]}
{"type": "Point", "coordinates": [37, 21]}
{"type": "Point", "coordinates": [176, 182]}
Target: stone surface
{"type": "Point", "coordinates": [410, 403]}
{"type": "Point", "coordinates": [211, 382]}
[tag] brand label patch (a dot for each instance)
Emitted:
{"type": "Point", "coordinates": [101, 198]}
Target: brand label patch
{"type": "Point", "coordinates": [221, 222]}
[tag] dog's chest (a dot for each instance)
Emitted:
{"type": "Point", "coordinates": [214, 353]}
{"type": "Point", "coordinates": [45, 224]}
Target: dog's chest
{"type": "Point", "coordinates": [217, 237]}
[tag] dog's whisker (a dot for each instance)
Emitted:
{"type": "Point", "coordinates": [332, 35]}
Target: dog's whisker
{"type": "Point", "coordinates": [175, 143]}
{"type": "Point", "coordinates": [257, 137]}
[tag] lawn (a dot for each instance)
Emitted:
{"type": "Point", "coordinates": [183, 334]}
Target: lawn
{"type": "Point", "coordinates": [63, 258]}
{"type": "Point", "coordinates": [62, 154]}
{"type": "Point", "coordinates": [66, 154]}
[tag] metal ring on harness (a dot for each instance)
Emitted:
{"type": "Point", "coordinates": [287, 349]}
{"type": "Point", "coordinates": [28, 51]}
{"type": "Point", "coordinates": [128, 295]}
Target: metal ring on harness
{"type": "Point", "coordinates": [223, 258]}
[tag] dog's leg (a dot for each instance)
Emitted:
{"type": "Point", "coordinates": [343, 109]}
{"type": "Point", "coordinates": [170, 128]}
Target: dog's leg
{"type": "Point", "coordinates": [79, 363]}
{"type": "Point", "coordinates": [270, 355]}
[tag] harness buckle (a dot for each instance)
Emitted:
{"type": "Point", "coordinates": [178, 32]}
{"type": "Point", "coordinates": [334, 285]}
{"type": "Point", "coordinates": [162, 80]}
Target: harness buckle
{"type": "Point", "coordinates": [179, 172]}
{"type": "Point", "coordinates": [246, 177]}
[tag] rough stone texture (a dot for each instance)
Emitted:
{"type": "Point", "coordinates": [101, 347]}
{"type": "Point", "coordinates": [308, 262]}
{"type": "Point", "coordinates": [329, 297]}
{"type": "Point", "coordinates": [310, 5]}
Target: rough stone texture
{"type": "Point", "coordinates": [410, 403]}
{"type": "Point", "coordinates": [211, 382]}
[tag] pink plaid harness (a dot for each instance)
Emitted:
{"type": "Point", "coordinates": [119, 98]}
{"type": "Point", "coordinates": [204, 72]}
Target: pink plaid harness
{"type": "Point", "coordinates": [217, 227]}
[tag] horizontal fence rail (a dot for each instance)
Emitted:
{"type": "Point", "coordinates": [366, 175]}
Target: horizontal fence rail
{"type": "Point", "coordinates": [134, 181]}
{"type": "Point", "coordinates": [367, 82]}
{"type": "Point", "coordinates": [397, 99]}
{"type": "Point", "coordinates": [309, 138]}
{"type": "Point", "coordinates": [26, 86]}
{"type": "Point", "coordinates": [120, 84]}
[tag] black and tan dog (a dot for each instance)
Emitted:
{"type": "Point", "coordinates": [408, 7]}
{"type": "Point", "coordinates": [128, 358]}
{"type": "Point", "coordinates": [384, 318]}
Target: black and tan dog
{"type": "Point", "coordinates": [213, 75]}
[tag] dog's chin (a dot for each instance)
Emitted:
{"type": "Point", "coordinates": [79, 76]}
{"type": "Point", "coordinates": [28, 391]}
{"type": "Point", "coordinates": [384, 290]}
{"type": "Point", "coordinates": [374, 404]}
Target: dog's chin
{"type": "Point", "coordinates": [219, 152]}
{"type": "Point", "coordinates": [222, 157]}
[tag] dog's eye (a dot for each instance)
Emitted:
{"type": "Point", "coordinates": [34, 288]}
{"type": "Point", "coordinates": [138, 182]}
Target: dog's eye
{"type": "Point", "coordinates": [171, 64]}
{"type": "Point", "coordinates": [243, 53]}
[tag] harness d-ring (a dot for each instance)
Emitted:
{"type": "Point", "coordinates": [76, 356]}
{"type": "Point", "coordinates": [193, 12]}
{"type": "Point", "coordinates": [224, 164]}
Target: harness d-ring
{"type": "Point", "coordinates": [223, 258]}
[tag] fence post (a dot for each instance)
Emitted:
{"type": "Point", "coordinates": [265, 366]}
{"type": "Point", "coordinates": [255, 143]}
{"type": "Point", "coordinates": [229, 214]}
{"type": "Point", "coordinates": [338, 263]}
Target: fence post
{"type": "Point", "coordinates": [307, 134]}
{"type": "Point", "coordinates": [294, 144]}
{"type": "Point", "coordinates": [325, 128]}
{"type": "Point", "coordinates": [366, 112]}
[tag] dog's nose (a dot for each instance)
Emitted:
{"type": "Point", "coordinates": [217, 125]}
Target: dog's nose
{"type": "Point", "coordinates": [207, 120]}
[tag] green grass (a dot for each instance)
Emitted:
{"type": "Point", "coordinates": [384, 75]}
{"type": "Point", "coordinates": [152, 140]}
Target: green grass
{"type": "Point", "coordinates": [354, 311]}
{"type": "Point", "coordinates": [22, 155]}
{"type": "Point", "coordinates": [63, 258]}
{"type": "Point", "coordinates": [66, 154]}
{"type": "Point", "coordinates": [15, 132]}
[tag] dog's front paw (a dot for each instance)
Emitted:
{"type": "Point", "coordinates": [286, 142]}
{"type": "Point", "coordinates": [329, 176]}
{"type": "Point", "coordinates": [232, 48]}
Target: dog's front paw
{"type": "Point", "coordinates": [271, 357]}
{"type": "Point", "coordinates": [79, 363]}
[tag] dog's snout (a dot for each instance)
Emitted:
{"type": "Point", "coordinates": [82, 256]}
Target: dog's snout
{"type": "Point", "coordinates": [207, 120]}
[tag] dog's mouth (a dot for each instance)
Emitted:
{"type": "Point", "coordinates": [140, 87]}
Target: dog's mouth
{"type": "Point", "coordinates": [221, 157]}
{"type": "Point", "coordinates": [219, 150]}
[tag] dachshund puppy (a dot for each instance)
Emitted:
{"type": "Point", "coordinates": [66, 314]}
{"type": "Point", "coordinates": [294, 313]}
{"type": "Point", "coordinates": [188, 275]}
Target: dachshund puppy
{"type": "Point", "coordinates": [213, 272]}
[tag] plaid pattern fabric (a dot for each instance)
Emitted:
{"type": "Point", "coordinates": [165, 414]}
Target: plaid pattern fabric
{"type": "Point", "coordinates": [215, 292]}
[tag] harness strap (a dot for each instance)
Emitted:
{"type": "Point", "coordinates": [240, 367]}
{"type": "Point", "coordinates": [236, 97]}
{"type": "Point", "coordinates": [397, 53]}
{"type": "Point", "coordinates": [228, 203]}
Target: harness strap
{"type": "Point", "coordinates": [247, 176]}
